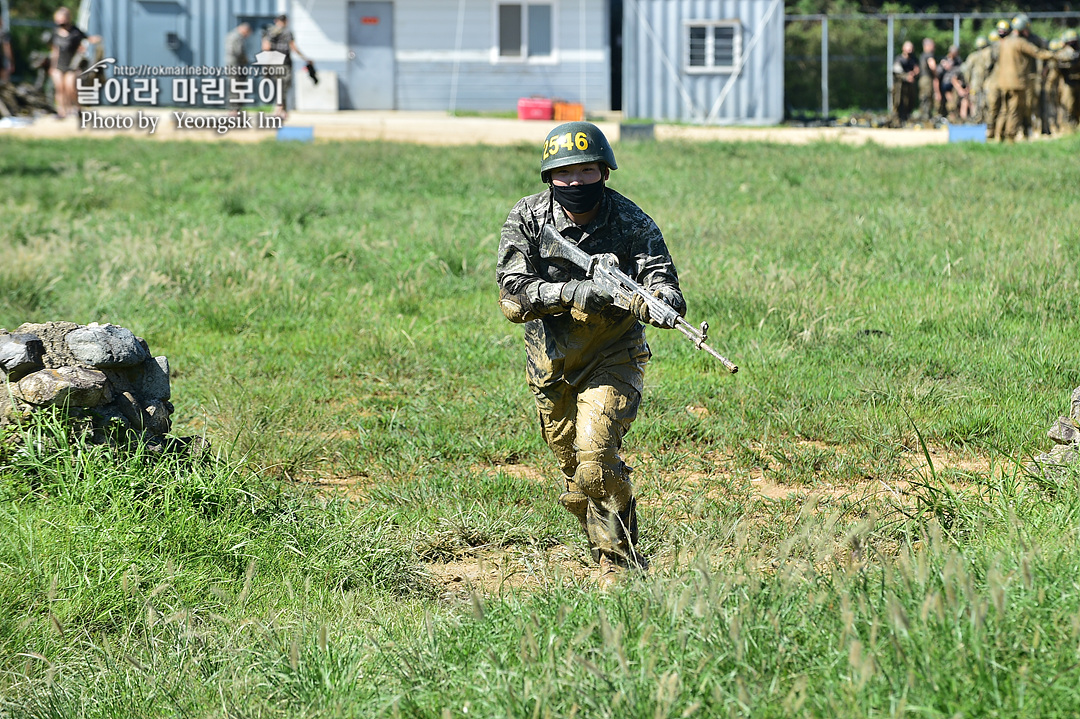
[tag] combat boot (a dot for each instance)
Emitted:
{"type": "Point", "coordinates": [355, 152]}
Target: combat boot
{"type": "Point", "coordinates": [610, 573]}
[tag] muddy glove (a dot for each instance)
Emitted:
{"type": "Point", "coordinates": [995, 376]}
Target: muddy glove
{"type": "Point", "coordinates": [640, 309]}
{"type": "Point", "coordinates": [585, 296]}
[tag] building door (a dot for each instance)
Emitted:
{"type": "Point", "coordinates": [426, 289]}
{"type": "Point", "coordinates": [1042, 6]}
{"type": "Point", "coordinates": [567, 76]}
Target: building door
{"type": "Point", "coordinates": [160, 39]}
{"type": "Point", "coordinates": [370, 68]}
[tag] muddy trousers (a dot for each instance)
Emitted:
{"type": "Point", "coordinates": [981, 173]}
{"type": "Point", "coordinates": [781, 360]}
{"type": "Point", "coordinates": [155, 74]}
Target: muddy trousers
{"type": "Point", "coordinates": [584, 427]}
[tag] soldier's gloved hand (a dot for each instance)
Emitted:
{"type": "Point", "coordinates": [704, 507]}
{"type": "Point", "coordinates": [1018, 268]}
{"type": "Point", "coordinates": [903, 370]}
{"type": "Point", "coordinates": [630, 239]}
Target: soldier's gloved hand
{"type": "Point", "coordinates": [585, 296]}
{"type": "Point", "coordinates": [640, 309]}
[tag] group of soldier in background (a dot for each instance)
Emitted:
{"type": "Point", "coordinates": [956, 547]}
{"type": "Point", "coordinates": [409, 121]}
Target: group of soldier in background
{"type": "Point", "coordinates": [1011, 80]}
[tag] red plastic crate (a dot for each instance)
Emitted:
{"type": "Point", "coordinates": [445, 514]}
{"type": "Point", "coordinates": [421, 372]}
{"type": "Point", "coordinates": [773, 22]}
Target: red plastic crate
{"type": "Point", "coordinates": [535, 108]}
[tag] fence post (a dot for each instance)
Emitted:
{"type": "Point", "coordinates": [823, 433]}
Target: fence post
{"type": "Point", "coordinates": [890, 53]}
{"type": "Point", "coordinates": [956, 30]}
{"type": "Point", "coordinates": [825, 68]}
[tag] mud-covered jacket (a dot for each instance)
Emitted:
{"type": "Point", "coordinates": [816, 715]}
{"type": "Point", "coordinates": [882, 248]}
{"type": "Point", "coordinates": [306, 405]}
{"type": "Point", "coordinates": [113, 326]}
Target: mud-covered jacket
{"type": "Point", "coordinates": [561, 345]}
{"type": "Point", "coordinates": [1012, 64]}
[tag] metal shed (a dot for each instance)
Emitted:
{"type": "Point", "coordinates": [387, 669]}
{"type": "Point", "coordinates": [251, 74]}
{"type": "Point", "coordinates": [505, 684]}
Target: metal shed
{"type": "Point", "coordinates": [391, 54]}
{"type": "Point", "coordinates": [704, 61]}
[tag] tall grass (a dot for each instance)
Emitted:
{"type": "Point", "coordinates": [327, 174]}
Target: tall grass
{"type": "Point", "coordinates": [328, 311]}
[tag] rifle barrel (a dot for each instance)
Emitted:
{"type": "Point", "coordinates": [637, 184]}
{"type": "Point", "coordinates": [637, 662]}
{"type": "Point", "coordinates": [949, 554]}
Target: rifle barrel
{"type": "Point", "coordinates": [694, 336]}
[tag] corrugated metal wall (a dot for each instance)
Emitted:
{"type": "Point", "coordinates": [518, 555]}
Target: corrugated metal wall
{"type": "Point", "coordinates": [435, 67]}
{"type": "Point", "coordinates": [201, 26]}
{"type": "Point", "coordinates": [656, 86]}
{"type": "Point", "coordinates": [436, 72]}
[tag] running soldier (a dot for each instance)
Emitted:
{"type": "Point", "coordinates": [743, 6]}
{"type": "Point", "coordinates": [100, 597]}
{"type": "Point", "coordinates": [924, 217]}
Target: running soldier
{"type": "Point", "coordinates": [585, 358]}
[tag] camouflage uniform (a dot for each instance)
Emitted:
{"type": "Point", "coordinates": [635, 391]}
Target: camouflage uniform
{"type": "Point", "coordinates": [1012, 81]}
{"type": "Point", "coordinates": [976, 68]}
{"type": "Point", "coordinates": [281, 39]}
{"type": "Point", "coordinates": [586, 371]}
{"type": "Point", "coordinates": [1069, 87]}
{"type": "Point", "coordinates": [928, 85]}
{"type": "Point", "coordinates": [993, 94]}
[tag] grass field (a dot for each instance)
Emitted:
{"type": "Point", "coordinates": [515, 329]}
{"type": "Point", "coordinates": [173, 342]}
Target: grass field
{"type": "Point", "coordinates": [843, 529]}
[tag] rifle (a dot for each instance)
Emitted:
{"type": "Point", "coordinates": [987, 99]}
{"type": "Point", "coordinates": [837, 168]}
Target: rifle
{"type": "Point", "coordinates": [604, 271]}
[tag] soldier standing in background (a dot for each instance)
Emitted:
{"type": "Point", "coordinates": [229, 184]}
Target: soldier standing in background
{"type": "Point", "coordinates": [948, 68]}
{"type": "Point", "coordinates": [1051, 81]}
{"type": "Point", "coordinates": [1013, 79]}
{"type": "Point", "coordinates": [929, 88]}
{"type": "Point", "coordinates": [1069, 85]}
{"type": "Point", "coordinates": [974, 69]}
{"type": "Point", "coordinates": [1021, 25]}
{"type": "Point", "coordinates": [236, 57]}
{"type": "Point", "coordinates": [993, 92]}
{"type": "Point", "coordinates": [905, 92]}
{"type": "Point", "coordinates": [585, 358]}
{"type": "Point", "coordinates": [280, 38]}
{"type": "Point", "coordinates": [954, 90]}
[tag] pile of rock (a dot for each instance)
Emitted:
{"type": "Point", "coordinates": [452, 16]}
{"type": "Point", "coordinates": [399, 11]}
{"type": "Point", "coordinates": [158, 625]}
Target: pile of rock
{"type": "Point", "coordinates": [24, 99]}
{"type": "Point", "coordinates": [1066, 435]}
{"type": "Point", "coordinates": [102, 376]}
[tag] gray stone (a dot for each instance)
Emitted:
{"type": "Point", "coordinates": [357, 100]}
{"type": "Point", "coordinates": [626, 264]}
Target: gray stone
{"type": "Point", "coordinates": [106, 346]}
{"type": "Point", "coordinates": [9, 407]}
{"type": "Point", "coordinates": [1060, 455]}
{"type": "Point", "coordinates": [1065, 431]}
{"type": "Point", "coordinates": [72, 386]}
{"type": "Point", "coordinates": [128, 406]}
{"type": "Point", "coordinates": [21, 354]}
{"type": "Point", "coordinates": [157, 417]}
{"type": "Point", "coordinates": [108, 424]}
{"type": "Point", "coordinates": [154, 383]}
{"type": "Point", "coordinates": [52, 335]}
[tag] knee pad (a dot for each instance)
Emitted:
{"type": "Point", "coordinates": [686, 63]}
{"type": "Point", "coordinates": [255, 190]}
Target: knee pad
{"type": "Point", "coordinates": [605, 482]}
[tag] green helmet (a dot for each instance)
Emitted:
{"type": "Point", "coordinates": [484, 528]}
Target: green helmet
{"type": "Point", "coordinates": [572, 143]}
{"type": "Point", "coordinates": [993, 37]}
{"type": "Point", "coordinates": [1068, 36]}
{"type": "Point", "coordinates": [1004, 27]}
{"type": "Point", "coordinates": [1056, 44]}
{"type": "Point", "coordinates": [980, 42]}
{"type": "Point", "coordinates": [1021, 22]}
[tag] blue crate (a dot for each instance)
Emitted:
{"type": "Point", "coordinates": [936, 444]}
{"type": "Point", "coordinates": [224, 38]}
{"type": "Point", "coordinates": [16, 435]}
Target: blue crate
{"type": "Point", "coordinates": [967, 133]}
{"type": "Point", "coordinates": [296, 134]}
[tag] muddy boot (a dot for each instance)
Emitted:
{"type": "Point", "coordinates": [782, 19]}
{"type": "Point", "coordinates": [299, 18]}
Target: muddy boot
{"type": "Point", "coordinates": [610, 573]}
{"type": "Point", "coordinates": [577, 503]}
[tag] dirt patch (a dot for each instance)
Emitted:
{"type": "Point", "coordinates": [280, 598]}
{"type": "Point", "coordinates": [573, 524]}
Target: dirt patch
{"type": "Point", "coordinates": [501, 571]}
{"type": "Point", "coordinates": [438, 128]}
{"type": "Point", "coordinates": [353, 486]}
{"type": "Point", "coordinates": [518, 471]}
{"type": "Point", "coordinates": [969, 462]}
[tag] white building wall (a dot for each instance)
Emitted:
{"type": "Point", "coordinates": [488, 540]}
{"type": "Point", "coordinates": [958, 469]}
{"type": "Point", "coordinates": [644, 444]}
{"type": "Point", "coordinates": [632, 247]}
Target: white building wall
{"type": "Point", "coordinates": [446, 53]}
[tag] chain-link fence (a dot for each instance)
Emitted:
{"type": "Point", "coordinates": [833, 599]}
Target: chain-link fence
{"type": "Point", "coordinates": [857, 51]}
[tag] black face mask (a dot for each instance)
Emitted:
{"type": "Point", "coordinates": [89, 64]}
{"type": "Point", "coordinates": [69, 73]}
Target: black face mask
{"type": "Point", "coordinates": [578, 198]}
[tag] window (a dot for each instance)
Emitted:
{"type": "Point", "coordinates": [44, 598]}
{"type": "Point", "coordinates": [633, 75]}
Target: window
{"type": "Point", "coordinates": [525, 30]}
{"type": "Point", "coordinates": [713, 46]}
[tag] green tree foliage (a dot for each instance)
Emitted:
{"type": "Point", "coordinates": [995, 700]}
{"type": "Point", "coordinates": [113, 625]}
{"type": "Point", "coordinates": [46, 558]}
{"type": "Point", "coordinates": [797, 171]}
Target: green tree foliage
{"type": "Point", "coordinates": [858, 64]}
{"type": "Point", "coordinates": [36, 9]}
